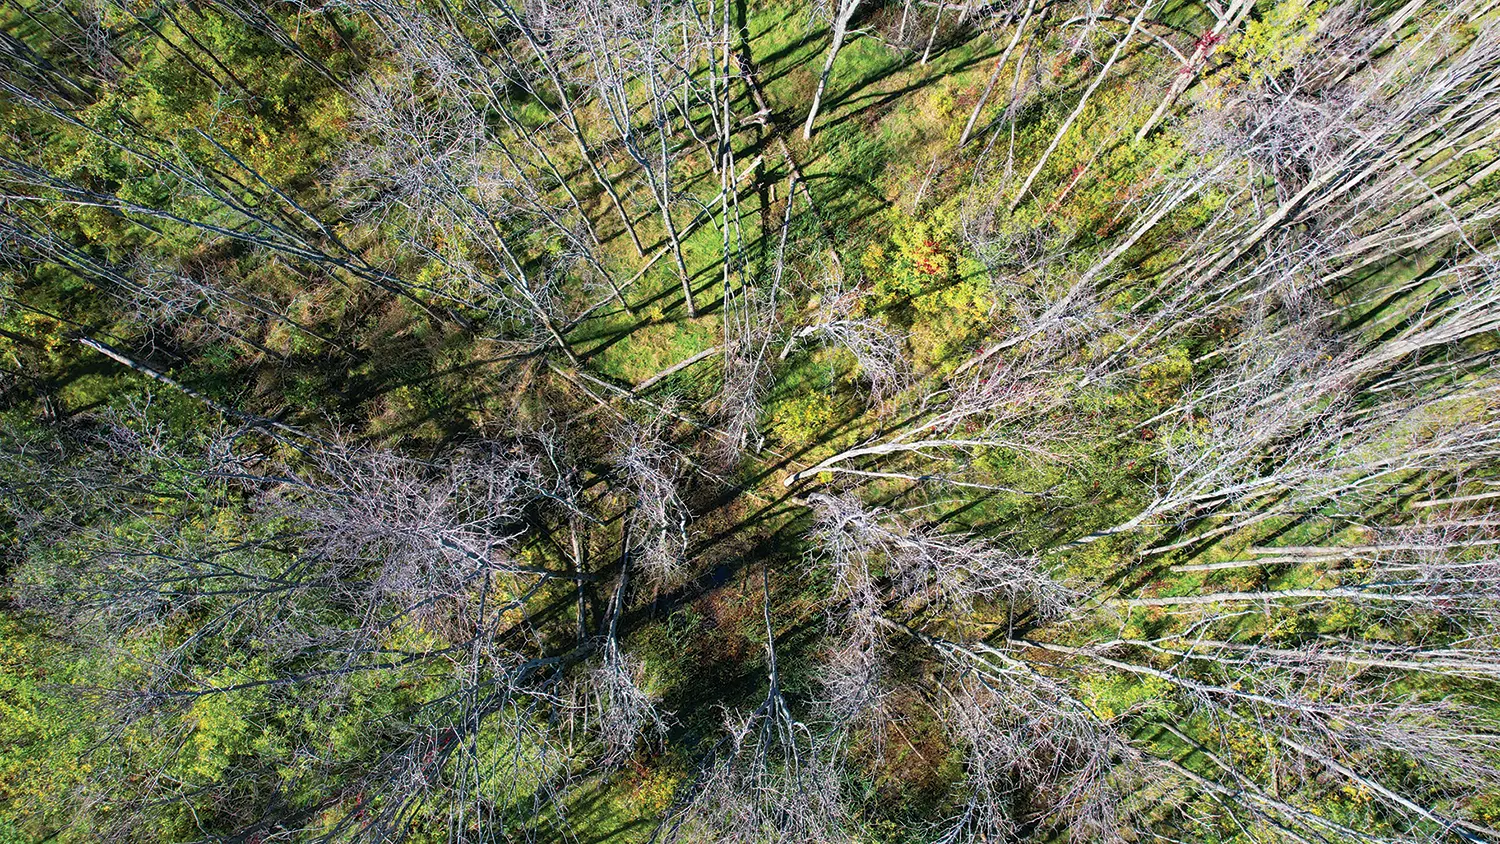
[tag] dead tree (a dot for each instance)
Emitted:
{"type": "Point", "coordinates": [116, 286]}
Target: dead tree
{"type": "Point", "coordinates": [952, 572]}
{"type": "Point", "coordinates": [842, 15]}
{"type": "Point", "coordinates": [1225, 23]}
{"type": "Point", "coordinates": [1021, 732]}
{"type": "Point", "coordinates": [439, 44]}
{"type": "Point", "coordinates": [1284, 425]}
{"type": "Point", "coordinates": [430, 166]}
{"type": "Point", "coordinates": [623, 713]}
{"type": "Point", "coordinates": [624, 47]}
{"type": "Point", "coordinates": [247, 208]}
{"type": "Point", "coordinates": [356, 562]}
{"type": "Point", "coordinates": [878, 349]}
{"type": "Point", "coordinates": [771, 778]}
{"type": "Point", "coordinates": [1334, 702]}
{"type": "Point", "coordinates": [658, 517]}
{"type": "Point", "coordinates": [1001, 408]}
{"type": "Point", "coordinates": [1020, 30]}
{"type": "Point", "coordinates": [1282, 156]}
{"type": "Point", "coordinates": [1057, 136]}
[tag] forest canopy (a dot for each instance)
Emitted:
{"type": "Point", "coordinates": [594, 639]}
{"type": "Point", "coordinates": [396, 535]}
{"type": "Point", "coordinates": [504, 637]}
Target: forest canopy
{"type": "Point", "coordinates": [900, 421]}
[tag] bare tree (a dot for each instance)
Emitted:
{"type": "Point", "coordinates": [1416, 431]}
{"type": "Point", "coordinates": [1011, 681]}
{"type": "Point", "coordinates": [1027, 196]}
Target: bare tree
{"type": "Point", "coordinates": [1083, 102]}
{"type": "Point", "coordinates": [1032, 738]}
{"type": "Point", "coordinates": [841, 15]}
{"type": "Point", "coordinates": [878, 349]}
{"type": "Point", "coordinates": [949, 571]}
{"type": "Point", "coordinates": [624, 712]}
{"type": "Point", "coordinates": [752, 321]}
{"type": "Point", "coordinates": [637, 71]}
{"type": "Point", "coordinates": [650, 468]}
{"type": "Point", "coordinates": [453, 204]}
{"type": "Point", "coordinates": [771, 778]}
{"type": "Point", "coordinates": [1001, 408]}
{"type": "Point", "coordinates": [1020, 30]}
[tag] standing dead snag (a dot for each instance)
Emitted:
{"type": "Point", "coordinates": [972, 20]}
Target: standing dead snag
{"type": "Point", "coordinates": [640, 61]}
{"type": "Point", "coordinates": [1225, 23]}
{"type": "Point", "coordinates": [1282, 433]}
{"type": "Point", "coordinates": [1057, 137]}
{"type": "Point", "coordinates": [948, 571]}
{"type": "Point", "coordinates": [876, 562]}
{"type": "Point", "coordinates": [879, 350]}
{"type": "Point", "coordinates": [995, 74]}
{"type": "Point", "coordinates": [752, 321]}
{"type": "Point", "coordinates": [547, 34]}
{"type": "Point", "coordinates": [771, 781]}
{"type": "Point", "coordinates": [435, 530]}
{"type": "Point", "coordinates": [1022, 733]}
{"type": "Point", "coordinates": [1002, 408]}
{"type": "Point", "coordinates": [431, 174]}
{"type": "Point", "coordinates": [353, 564]}
{"type": "Point", "coordinates": [623, 712]}
{"type": "Point", "coordinates": [771, 778]}
{"type": "Point", "coordinates": [1342, 702]}
{"type": "Point", "coordinates": [843, 13]}
{"type": "Point", "coordinates": [657, 514]}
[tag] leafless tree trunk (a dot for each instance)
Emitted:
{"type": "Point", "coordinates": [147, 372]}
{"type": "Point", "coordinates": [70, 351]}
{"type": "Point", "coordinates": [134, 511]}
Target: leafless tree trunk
{"type": "Point", "coordinates": [842, 15]}
{"type": "Point", "coordinates": [995, 75]}
{"type": "Point", "coordinates": [1057, 137]}
{"type": "Point", "coordinates": [1230, 20]}
{"type": "Point", "coordinates": [659, 516]}
{"type": "Point", "coordinates": [937, 20]}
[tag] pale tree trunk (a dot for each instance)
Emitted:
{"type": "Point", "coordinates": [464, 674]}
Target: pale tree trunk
{"type": "Point", "coordinates": [570, 123]}
{"type": "Point", "coordinates": [937, 21]}
{"type": "Point", "coordinates": [527, 136]}
{"type": "Point", "coordinates": [995, 76]}
{"type": "Point", "coordinates": [840, 30]}
{"type": "Point", "coordinates": [599, 176]}
{"type": "Point", "coordinates": [580, 566]}
{"type": "Point", "coordinates": [1135, 24]}
{"type": "Point", "coordinates": [662, 189]}
{"type": "Point", "coordinates": [1189, 73]}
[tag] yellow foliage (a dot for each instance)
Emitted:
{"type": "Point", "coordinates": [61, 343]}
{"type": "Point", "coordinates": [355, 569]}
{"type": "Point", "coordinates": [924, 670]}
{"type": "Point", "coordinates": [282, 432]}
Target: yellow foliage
{"type": "Point", "coordinates": [1276, 41]}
